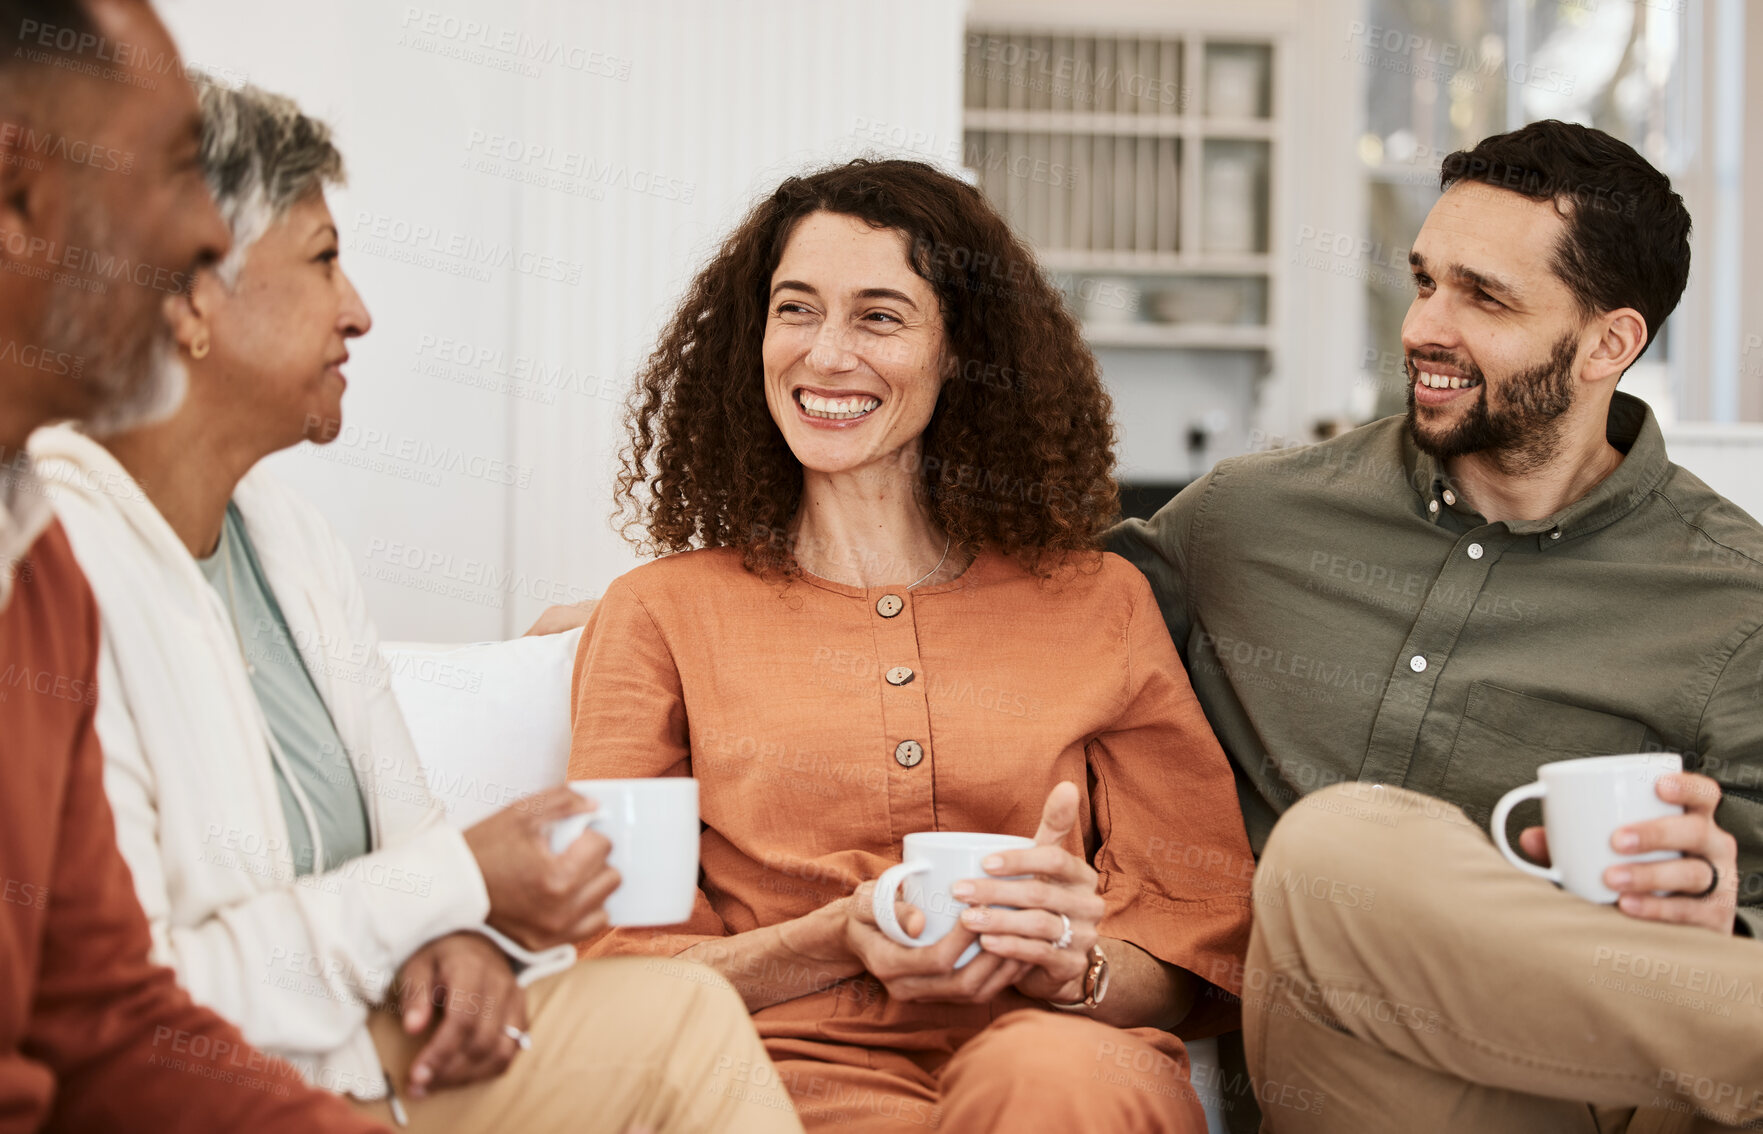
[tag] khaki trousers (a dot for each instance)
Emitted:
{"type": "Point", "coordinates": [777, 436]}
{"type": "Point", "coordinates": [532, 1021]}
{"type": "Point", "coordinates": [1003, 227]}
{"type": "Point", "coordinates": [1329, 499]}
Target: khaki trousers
{"type": "Point", "coordinates": [1402, 976]}
{"type": "Point", "coordinates": [629, 1043]}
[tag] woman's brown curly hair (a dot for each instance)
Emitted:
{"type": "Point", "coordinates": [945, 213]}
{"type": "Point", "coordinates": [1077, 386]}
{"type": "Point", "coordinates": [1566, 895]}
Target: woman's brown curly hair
{"type": "Point", "coordinates": [1019, 452]}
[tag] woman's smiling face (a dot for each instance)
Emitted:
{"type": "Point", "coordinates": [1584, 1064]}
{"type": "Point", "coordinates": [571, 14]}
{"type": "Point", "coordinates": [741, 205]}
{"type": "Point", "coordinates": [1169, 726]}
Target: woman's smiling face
{"type": "Point", "coordinates": [854, 346]}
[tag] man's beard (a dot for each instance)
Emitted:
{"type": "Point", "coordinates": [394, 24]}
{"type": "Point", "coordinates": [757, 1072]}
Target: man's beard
{"type": "Point", "coordinates": [1524, 433]}
{"type": "Point", "coordinates": [125, 355]}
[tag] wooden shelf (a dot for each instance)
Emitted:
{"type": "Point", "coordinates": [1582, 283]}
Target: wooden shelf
{"type": "Point", "coordinates": [1156, 263]}
{"type": "Point", "coordinates": [1191, 336]}
{"type": "Point", "coordinates": [1250, 129]}
{"type": "Point", "coordinates": [1093, 162]}
{"type": "Point", "coordinates": [1115, 125]}
{"type": "Point", "coordinates": [1076, 122]}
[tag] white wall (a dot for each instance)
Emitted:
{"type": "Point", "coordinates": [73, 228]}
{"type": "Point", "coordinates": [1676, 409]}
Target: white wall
{"type": "Point", "coordinates": [473, 478]}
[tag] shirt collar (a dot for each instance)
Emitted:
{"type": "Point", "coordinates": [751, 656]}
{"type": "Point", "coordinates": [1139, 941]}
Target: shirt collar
{"type": "Point", "coordinates": [1630, 427]}
{"type": "Point", "coordinates": [24, 512]}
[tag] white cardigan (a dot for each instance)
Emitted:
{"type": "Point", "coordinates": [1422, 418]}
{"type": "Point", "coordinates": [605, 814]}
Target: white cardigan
{"type": "Point", "coordinates": [188, 768]}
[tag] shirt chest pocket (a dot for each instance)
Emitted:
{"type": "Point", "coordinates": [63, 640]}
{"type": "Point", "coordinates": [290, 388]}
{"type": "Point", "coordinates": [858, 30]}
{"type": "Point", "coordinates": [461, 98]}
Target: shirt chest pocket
{"type": "Point", "coordinates": [1505, 736]}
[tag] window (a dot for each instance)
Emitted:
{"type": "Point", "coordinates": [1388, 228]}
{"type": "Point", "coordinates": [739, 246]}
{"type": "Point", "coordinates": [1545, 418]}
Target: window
{"type": "Point", "coordinates": [1443, 74]}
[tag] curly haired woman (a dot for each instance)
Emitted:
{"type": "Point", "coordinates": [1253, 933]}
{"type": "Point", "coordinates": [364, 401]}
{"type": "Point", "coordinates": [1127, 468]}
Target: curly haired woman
{"type": "Point", "coordinates": [876, 459]}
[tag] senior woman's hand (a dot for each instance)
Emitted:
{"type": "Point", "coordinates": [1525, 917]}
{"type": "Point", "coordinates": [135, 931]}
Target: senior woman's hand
{"type": "Point", "coordinates": [1028, 932]}
{"type": "Point", "coordinates": [462, 986]}
{"type": "Point", "coordinates": [928, 973]}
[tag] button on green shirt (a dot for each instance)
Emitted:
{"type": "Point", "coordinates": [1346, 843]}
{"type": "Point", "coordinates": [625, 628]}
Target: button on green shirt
{"type": "Point", "coordinates": [1346, 616]}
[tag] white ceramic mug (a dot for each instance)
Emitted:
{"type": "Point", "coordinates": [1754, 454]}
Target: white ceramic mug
{"type": "Point", "coordinates": [1584, 801]}
{"type": "Point", "coordinates": [935, 861]}
{"type": "Point", "coordinates": [653, 828]}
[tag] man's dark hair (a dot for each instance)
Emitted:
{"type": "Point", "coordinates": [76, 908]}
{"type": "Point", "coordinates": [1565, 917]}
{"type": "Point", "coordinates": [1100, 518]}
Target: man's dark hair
{"type": "Point", "coordinates": [23, 60]}
{"type": "Point", "coordinates": [22, 21]}
{"type": "Point", "coordinates": [1627, 242]}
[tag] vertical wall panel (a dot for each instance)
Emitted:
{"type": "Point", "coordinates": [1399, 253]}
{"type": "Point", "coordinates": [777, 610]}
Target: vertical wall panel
{"type": "Point", "coordinates": [743, 100]}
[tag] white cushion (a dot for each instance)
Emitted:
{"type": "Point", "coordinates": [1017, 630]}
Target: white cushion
{"type": "Point", "coordinates": [490, 720]}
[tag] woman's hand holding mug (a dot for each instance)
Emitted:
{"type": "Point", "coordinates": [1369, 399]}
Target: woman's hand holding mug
{"type": "Point", "coordinates": [954, 945]}
{"type": "Point", "coordinates": [923, 973]}
{"type": "Point", "coordinates": [1052, 919]}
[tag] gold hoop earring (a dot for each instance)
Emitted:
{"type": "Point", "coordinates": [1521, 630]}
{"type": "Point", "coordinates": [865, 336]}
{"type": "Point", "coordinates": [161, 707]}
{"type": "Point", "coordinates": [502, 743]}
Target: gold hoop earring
{"type": "Point", "coordinates": [199, 348]}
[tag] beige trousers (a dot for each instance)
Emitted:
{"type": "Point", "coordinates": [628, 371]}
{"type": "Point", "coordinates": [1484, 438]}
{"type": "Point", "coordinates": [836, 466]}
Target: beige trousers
{"type": "Point", "coordinates": [624, 1044]}
{"type": "Point", "coordinates": [1402, 976]}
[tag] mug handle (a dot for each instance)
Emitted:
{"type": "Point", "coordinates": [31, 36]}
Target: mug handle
{"type": "Point", "coordinates": [567, 831]}
{"type": "Point", "coordinates": [1502, 811]}
{"type": "Point", "coordinates": [881, 902]}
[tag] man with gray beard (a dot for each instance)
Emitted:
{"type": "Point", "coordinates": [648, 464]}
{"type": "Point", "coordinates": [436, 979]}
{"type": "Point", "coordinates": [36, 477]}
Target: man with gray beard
{"type": "Point", "coordinates": [113, 323]}
{"type": "Point", "coordinates": [103, 215]}
{"type": "Point", "coordinates": [1391, 630]}
{"type": "Point", "coordinates": [100, 224]}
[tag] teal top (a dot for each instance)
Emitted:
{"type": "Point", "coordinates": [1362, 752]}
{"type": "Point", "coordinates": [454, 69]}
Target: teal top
{"type": "Point", "coordinates": [297, 716]}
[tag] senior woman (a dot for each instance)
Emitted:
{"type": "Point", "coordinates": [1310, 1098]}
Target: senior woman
{"type": "Point", "coordinates": [295, 871]}
{"type": "Point", "coordinates": [880, 458]}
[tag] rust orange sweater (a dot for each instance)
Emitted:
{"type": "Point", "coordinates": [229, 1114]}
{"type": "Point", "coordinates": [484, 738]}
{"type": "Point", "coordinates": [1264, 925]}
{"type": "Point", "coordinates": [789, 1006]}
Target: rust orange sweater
{"type": "Point", "coordinates": [92, 1035]}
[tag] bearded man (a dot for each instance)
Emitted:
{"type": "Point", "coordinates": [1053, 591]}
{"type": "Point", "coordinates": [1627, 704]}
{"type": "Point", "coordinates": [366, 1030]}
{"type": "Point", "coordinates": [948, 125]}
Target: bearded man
{"type": "Point", "coordinates": [103, 216]}
{"type": "Point", "coordinates": [1390, 630]}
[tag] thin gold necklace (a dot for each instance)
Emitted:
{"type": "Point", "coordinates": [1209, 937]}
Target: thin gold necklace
{"type": "Point", "coordinates": [947, 539]}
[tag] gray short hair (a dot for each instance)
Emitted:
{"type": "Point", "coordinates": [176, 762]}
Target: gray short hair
{"type": "Point", "coordinates": [261, 157]}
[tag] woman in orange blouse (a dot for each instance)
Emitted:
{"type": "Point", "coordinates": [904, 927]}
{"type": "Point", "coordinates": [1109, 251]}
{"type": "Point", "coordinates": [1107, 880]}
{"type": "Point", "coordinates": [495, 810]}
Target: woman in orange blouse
{"type": "Point", "coordinates": [882, 456]}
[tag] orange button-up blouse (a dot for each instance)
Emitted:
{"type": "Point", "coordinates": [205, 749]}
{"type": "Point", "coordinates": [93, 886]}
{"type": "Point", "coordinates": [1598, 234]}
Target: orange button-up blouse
{"type": "Point", "coordinates": [826, 722]}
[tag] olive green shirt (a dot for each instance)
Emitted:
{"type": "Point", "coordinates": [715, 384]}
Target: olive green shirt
{"type": "Point", "coordinates": [1345, 616]}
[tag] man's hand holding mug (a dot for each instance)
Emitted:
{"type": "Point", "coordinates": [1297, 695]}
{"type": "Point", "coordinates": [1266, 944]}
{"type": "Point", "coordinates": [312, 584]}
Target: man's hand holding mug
{"type": "Point", "coordinates": [1637, 831]}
